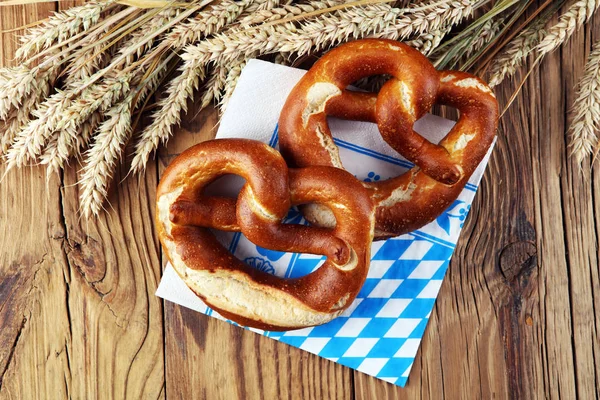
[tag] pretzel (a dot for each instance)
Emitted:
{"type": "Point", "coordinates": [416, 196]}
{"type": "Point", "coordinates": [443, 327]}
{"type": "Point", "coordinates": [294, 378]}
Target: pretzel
{"type": "Point", "coordinates": [417, 197]}
{"type": "Point", "coordinates": [237, 291]}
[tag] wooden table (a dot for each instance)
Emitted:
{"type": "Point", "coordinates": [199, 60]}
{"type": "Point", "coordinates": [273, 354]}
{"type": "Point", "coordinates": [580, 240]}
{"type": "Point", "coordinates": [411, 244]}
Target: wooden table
{"type": "Point", "coordinates": [517, 316]}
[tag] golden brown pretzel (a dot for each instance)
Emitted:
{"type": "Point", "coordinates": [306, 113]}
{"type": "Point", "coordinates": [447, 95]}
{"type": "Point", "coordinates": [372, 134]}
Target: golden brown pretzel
{"type": "Point", "coordinates": [238, 291]}
{"type": "Point", "coordinates": [417, 197]}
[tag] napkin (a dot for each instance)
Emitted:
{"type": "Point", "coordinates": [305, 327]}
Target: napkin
{"type": "Point", "coordinates": [380, 333]}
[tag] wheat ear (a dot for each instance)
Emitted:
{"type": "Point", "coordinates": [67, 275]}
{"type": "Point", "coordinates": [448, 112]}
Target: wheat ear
{"type": "Point", "coordinates": [259, 5]}
{"type": "Point", "coordinates": [98, 97]}
{"type": "Point", "coordinates": [180, 89]}
{"type": "Point", "coordinates": [60, 27]}
{"type": "Point", "coordinates": [514, 54]}
{"type": "Point", "coordinates": [20, 116]}
{"type": "Point", "coordinates": [21, 82]}
{"type": "Point", "coordinates": [76, 134]}
{"type": "Point", "coordinates": [109, 144]}
{"type": "Point", "coordinates": [286, 11]}
{"type": "Point", "coordinates": [380, 20]}
{"type": "Point", "coordinates": [575, 16]}
{"type": "Point", "coordinates": [583, 131]}
{"type": "Point", "coordinates": [213, 89]}
{"type": "Point", "coordinates": [102, 156]}
{"type": "Point", "coordinates": [233, 75]}
{"type": "Point", "coordinates": [59, 111]}
{"type": "Point", "coordinates": [428, 42]}
{"type": "Point", "coordinates": [206, 23]}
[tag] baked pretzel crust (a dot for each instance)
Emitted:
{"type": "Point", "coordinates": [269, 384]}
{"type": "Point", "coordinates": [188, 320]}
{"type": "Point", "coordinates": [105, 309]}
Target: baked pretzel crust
{"type": "Point", "coordinates": [244, 294]}
{"type": "Point", "coordinates": [417, 197]}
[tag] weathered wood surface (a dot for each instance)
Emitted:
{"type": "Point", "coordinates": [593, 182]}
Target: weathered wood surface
{"type": "Point", "coordinates": [517, 316]}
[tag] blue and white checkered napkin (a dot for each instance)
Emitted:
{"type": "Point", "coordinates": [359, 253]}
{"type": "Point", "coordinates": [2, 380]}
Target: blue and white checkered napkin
{"type": "Point", "coordinates": [379, 334]}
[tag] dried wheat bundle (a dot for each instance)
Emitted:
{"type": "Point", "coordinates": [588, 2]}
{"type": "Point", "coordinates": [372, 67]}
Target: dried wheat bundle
{"type": "Point", "coordinates": [87, 73]}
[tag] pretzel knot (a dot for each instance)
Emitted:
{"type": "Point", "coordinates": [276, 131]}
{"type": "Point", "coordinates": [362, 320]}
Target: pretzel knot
{"type": "Point", "coordinates": [411, 200]}
{"type": "Point", "coordinates": [238, 291]}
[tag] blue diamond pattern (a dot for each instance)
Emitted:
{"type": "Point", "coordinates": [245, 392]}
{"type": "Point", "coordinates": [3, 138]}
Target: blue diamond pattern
{"type": "Point", "coordinates": [386, 347]}
{"type": "Point", "coordinates": [417, 308]}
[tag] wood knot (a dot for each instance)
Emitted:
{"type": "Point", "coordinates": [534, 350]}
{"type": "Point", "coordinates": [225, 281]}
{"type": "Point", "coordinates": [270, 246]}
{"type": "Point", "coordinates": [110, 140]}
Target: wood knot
{"type": "Point", "coordinates": [517, 260]}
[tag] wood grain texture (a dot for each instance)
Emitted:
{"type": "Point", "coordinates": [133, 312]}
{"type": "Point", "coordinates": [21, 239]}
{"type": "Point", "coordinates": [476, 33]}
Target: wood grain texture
{"type": "Point", "coordinates": [77, 308]}
{"type": "Point", "coordinates": [517, 315]}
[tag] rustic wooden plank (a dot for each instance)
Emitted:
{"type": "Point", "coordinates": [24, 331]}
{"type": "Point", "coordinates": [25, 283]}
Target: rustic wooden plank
{"type": "Point", "coordinates": [517, 316]}
{"type": "Point", "coordinates": [581, 231]}
{"type": "Point", "coordinates": [77, 307]}
{"type": "Point", "coordinates": [114, 270]}
{"type": "Point", "coordinates": [32, 265]}
{"type": "Point", "coordinates": [211, 359]}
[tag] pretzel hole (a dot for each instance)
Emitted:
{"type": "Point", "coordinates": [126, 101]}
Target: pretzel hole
{"type": "Point", "coordinates": [446, 112]}
{"type": "Point", "coordinates": [371, 83]}
{"type": "Point", "coordinates": [319, 212]}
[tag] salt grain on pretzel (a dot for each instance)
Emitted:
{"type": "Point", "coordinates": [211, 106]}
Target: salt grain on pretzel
{"type": "Point", "coordinates": [238, 291]}
{"type": "Point", "coordinates": [411, 200]}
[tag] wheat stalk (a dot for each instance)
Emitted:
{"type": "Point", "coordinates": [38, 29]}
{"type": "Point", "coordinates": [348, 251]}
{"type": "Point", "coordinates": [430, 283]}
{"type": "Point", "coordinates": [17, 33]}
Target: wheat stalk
{"type": "Point", "coordinates": [103, 155]}
{"type": "Point", "coordinates": [98, 97]}
{"type": "Point", "coordinates": [206, 23]}
{"type": "Point", "coordinates": [109, 143]}
{"type": "Point", "coordinates": [94, 111]}
{"type": "Point", "coordinates": [575, 16]}
{"type": "Point", "coordinates": [380, 20]}
{"type": "Point", "coordinates": [513, 56]}
{"type": "Point", "coordinates": [61, 111]}
{"type": "Point", "coordinates": [286, 11]}
{"type": "Point", "coordinates": [583, 131]}
{"type": "Point", "coordinates": [233, 75]}
{"type": "Point", "coordinates": [73, 130]}
{"type": "Point", "coordinates": [135, 46]}
{"type": "Point", "coordinates": [68, 141]}
{"type": "Point", "coordinates": [535, 39]}
{"type": "Point", "coordinates": [180, 89]}
{"type": "Point", "coordinates": [60, 27]}
{"type": "Point", "coordinates": [428, 42]}
{"type": "Point", "coordinates": [449, 57]}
